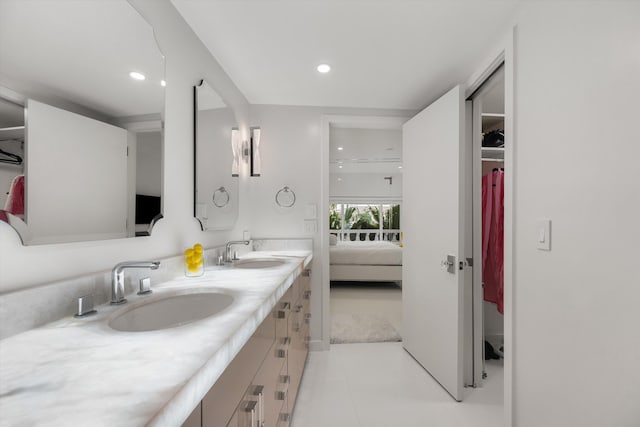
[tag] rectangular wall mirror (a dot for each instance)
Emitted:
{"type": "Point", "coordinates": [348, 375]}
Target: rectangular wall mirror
{"type": "Point", "coordinates": [81, 121]}
{"type": "Point", "coordinates": [217, 160]}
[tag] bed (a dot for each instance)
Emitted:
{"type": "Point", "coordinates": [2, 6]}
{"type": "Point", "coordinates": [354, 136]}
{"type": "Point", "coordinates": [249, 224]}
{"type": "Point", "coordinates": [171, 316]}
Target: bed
{"type": "Point", "coordinates": [365, 261]}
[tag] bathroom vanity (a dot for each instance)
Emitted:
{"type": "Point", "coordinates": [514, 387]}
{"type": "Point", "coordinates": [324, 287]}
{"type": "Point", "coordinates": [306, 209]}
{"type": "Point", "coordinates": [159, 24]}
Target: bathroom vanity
{"type": "Point", "coordinates": [238, 367]}
{"type": "Point", "coordinates": [260, 385]}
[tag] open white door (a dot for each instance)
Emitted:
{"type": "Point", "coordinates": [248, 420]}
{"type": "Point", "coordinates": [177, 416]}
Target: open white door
{"type": "Point", "coordinates": [433, 215]}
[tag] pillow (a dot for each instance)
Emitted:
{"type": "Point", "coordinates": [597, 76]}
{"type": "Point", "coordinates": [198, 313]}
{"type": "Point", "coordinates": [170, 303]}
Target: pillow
{"type": "Point", "coordinates": [333, 239]}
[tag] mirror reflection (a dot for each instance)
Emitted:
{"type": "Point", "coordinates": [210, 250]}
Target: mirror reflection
{"type": "Point", "coordinates": [81, 107]}
{"type": "Point", "coordinates": [217, 161]}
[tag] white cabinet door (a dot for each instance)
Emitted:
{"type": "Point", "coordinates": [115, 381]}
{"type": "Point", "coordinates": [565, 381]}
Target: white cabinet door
{"type": "Point", "coordinates": [433, 225]}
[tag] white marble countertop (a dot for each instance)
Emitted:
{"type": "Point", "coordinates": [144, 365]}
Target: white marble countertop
{"type": "Point", "coordinates": [82, 372]}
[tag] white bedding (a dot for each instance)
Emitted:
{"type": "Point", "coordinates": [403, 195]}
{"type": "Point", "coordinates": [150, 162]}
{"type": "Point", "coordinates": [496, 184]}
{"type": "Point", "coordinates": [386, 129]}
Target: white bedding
{"type": "Point", "coordinates": [365, 253]}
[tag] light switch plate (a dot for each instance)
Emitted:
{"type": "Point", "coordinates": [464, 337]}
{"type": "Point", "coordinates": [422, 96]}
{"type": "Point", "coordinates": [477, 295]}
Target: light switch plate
{"type": "Point", "coordinates": [543, 234]}
{"type": "Point", "coordinates": [310, 211]}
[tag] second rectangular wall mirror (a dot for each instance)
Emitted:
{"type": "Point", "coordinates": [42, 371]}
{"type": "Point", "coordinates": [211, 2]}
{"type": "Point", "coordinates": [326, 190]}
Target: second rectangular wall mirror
{"type": "Point", "coordinates": [217, 160]}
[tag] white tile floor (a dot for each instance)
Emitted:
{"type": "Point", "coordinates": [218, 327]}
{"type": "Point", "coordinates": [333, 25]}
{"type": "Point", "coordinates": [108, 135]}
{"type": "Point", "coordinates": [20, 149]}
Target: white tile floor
{"type": "Point", "coordinates": [381, 384]}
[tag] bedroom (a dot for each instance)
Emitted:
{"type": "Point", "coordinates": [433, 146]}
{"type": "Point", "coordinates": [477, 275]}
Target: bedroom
{"type": "Point", "coordinates": [365, 195]}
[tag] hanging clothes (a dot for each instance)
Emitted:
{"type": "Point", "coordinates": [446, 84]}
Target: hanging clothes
{"type": "Point", "coordinates": [493, 237]}
{"type": "Point", "coordinates": [15, 200]}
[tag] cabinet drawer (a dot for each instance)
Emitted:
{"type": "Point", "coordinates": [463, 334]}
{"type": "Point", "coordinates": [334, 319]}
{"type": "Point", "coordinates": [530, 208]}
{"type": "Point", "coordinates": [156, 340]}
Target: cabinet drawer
{"type": "Point", "coordinates": [221, 401]}
{"type": "Point", "coordinates": [267, 377]}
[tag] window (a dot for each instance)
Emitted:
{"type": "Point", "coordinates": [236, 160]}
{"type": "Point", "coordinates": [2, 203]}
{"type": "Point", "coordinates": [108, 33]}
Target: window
{"type": "Point", "coordinates": [382, 219]}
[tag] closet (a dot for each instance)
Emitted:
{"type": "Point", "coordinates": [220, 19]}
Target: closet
{"type": "Point", "coordinates": [488, 106]}
{"type": "Point", "coordinates": [12, 133]}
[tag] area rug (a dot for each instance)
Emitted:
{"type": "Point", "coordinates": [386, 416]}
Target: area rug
{"type": "Point", "coordinates": [361, 328]}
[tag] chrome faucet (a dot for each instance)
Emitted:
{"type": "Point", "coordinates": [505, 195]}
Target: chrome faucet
{"type": "Point", "coordinates": [227, 249]}
{"type": "Point", "coordinates": [117, 278]}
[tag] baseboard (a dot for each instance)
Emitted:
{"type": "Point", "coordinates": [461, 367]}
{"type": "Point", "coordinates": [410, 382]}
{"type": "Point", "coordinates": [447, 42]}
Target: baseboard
{"type": "Point", "coordinates": [317, 345]}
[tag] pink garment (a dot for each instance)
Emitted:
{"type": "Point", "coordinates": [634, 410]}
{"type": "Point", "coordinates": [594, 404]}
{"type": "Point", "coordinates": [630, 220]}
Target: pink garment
{"type": "Point", "coordinates": [493, 238]}
{"type": "Point", "coordinates": [15, 200]}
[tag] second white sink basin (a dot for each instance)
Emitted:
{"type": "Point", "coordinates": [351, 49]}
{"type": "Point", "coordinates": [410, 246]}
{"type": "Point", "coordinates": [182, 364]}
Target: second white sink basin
{"type": "Point", "coordinates": [258, 263]}
{"type": "Point", "coordinates": [171, 312]}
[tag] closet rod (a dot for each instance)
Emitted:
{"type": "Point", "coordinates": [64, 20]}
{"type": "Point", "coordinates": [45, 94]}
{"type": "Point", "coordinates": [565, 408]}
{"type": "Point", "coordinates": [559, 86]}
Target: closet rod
{"type": "Point", "coordinates": [489, 159]}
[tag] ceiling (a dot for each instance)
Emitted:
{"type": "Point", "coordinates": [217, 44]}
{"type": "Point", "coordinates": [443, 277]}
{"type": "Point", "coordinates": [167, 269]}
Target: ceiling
{"type": "Point", "coordinates": [353, 150]}
{"type": "Point", "coordinates": [384, 53]}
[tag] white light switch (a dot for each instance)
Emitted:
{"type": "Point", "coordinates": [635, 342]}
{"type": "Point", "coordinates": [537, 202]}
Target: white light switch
{"type": "Point", "coordinates": [310, 211]}
{"type": "Point", "coordinates": [544, 234]}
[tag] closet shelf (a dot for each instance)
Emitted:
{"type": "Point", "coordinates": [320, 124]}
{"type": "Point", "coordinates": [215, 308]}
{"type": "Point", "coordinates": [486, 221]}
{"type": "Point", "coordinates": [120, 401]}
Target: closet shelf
{"type": "Point", "coordinates": [493, 149]}
{"type": "Point", "coordinates": [12, 133]}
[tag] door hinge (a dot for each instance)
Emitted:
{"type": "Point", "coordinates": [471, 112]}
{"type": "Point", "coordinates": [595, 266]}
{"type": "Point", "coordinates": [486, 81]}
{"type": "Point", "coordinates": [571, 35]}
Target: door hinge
{"type": "Point", "coordinates": [469, 262]}
{"type": "Point", "coordinates": [461, 265]}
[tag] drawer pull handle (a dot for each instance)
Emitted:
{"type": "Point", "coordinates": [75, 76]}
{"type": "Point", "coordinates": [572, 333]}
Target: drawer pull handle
{"type": "Point", "coordinates": [281, 314]}
{"type": "Point", "coordinates": [281, 353]}
{"type": "Point", "coordinates": [285, 379]}
{"type": "Point", "coordinates": [284, 417]}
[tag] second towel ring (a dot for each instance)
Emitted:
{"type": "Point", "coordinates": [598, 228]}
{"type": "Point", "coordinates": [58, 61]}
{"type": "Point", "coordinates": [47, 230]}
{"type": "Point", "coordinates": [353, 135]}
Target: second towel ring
{"type": "Point", "coordinates": [221, 197]}
{"type": "Point", "coordinates": [285, 198]}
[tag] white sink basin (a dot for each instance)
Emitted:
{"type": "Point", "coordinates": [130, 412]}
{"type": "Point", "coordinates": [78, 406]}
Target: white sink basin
{"type": "Point", "coordinates": [170, 312]}
{"type": "Point", "coordinates": [258, 263]}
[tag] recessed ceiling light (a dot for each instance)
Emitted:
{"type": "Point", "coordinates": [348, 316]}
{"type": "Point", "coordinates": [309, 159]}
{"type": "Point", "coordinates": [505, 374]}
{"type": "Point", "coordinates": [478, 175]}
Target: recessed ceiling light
{"type": "Point", "coordinates": [340, 148]}
{"type": "Point", "coordinates": [339, 179]}
{"type": "Point", "coordinates": [340, 167]}
{"type": "Point", "coordinates": [324, 68]}
{"type": "Point", "coordinates": [399, 167]}
{"type": "Point", "coordinates": [163, 83]}
{"type": "Point", "coordinates": [137, 76]}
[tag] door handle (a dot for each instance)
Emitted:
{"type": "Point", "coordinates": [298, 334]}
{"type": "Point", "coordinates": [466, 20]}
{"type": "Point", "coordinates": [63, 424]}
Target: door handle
{"type": "Point", "coordinates": [449, 264]}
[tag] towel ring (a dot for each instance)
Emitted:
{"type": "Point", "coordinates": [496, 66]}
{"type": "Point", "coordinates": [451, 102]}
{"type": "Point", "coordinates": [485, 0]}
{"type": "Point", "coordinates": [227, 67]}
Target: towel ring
{"type": "Point", "coordinates": [285, 198]}
{"type": "Point", "coordinates": [221, 197]}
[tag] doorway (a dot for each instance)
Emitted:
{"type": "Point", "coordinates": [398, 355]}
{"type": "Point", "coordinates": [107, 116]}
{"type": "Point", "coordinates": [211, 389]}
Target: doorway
{"type": "Point", "coordinates": [488, 175]}
{"type": "Point", "coordinates": [379, 200]}
{"type": "Point", "coordinates": [365, 256]}
{"type": "Point", "coordinates": [443, 295]}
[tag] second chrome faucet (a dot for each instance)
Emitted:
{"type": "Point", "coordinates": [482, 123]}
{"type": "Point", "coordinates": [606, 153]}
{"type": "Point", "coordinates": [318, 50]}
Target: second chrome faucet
{"type": "Point", "coordinates": [227, 249]}
{"type": "Point", "coordinates": [117, 278]}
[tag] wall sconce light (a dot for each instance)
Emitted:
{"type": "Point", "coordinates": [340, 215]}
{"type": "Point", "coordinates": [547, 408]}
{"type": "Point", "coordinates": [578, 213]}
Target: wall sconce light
{"type": "Point", "coordinates": [256, 163]}
{"type": "Point", "coordinates": [236, 147]}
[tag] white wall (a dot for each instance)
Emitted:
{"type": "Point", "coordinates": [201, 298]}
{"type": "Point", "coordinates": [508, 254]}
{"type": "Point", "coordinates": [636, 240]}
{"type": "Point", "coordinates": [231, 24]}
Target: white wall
{"type": "Point", "coordinates": [292, 154]}
{"type": "Point", "coordinates": [187, 61]}
{"type": "Point", "coordinates": [576, 148]}
{"type": "Point", "coordinates": [365, 187]}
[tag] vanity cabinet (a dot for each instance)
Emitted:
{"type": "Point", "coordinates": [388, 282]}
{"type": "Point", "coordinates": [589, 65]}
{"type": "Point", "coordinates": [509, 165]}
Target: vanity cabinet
{"type": "Point", "coordinates": [259, 387]}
